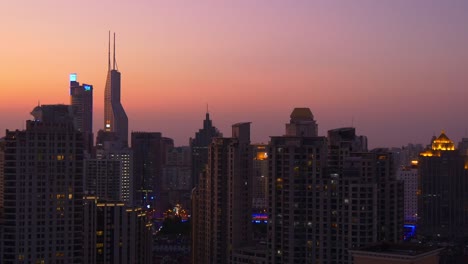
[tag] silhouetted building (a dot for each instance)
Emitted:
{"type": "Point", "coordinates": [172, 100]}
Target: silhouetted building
{"type": "Point", "coordinates": [2, 185]}
{"type": "Point", "coordinates": [259, 178]}
{"type": "Point", "coordinates": [341, 143]}
{"type": "Point", "coordinates": [43, 176]}
{"type": "Point", "coordinates": [443, 189]}
{"type": "Point", "coordinates": [199, 147]}
{"type": "Point", "coordinates": [115, 233]}
{"type": "Point", "coordinates": [177, 176]}
{"type": "Point", "coordinates": [222, 201]}
{"type": "Point", "coordinates": [150, 150]}
{"type": "Point", "coordinates": [115, 118]}
{"type": "Point", "coordinates": [103, 178]}
{"type": "Point", "coordinates": [463, 146]}
{"type": "Point", "coordinates": [81, 99]}
{"type": "Point", "coordinates": [298, 207]}
{"type": "Point", "coordinates": [328, 196]}
{"type": "Point", "coordinates": [386, 253]}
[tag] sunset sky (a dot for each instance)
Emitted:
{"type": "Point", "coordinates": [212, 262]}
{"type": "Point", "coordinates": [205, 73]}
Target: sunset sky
{"type": "Point", "coordinates": [396, 70]}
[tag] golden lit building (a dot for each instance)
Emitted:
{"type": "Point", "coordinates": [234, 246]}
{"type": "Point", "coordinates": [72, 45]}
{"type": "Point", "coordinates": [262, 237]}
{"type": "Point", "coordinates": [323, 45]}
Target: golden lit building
{"type": "Point", "coordinates": [443, 184]}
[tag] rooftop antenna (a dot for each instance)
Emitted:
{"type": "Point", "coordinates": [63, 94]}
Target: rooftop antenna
{"type": "Point", "coordinates": [207, 108]}
{"type": "Point", "coordinates": [108, 55]}
{"type": "Point", "coordinates": [114, 68]}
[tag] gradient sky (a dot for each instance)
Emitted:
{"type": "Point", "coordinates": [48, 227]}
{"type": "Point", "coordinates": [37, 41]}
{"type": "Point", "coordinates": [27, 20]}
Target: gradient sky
{"type": "Point", "coordinates": [396, 70]}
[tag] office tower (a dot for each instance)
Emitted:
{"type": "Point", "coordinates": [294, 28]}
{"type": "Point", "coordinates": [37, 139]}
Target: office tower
{"type": "Point", "coordinates": [115, 118]}
{"type": "Point", "coordinates": [222, 200]}
{"type": "Point", "coordinates": [298, 204]}
{"type": "Point", "coordinates": [108, 148]}
{"type": "Point", "coordinates": [199, 147]}
{"type": "Point", "coordinates": [103, 178]}
{"type": "Point", "coordinates": [81, 99]}
{"type": "Point", "coordinates": [409, 176]}
{"type": "Point", "coordinates": [149, 150]}
{"type": "Point", "coordinates": [443, 188]}
{"type": "Point", "coordinates": [259, 178]}
{"type": "Point", "coordinates": [115, 233]}
{"type": "Point", "coordinates": [43, 178]}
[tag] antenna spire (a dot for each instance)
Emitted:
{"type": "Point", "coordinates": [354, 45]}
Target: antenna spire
{"type": "Point", "coordinates": [113, 66]}
{"type": "Point", "coordinates": [108, 55]}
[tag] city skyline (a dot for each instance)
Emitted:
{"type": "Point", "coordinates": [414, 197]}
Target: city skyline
{"type": "Point", "coordinates": [388, 68]}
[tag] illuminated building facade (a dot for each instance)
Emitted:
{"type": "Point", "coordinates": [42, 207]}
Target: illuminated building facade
{"type": "Point", "coordinates": [115, 118]}
{"type": "Point", "coordinates": [110, 149]}
{"type": "Point", "coordinates": [43, 176]}
{"type": "Point", "coordinates": [259, 178]}
{"type": "Point", "coordinates": [222, 202]}
{"type": "Point", "coordinates": [409, 176]}
{"type": "Point", "coordinates": [443, 188]}
{"type": "Point", "coordinates": [115, 233]}
{"type": "Point", "coordinates": [81, 99]}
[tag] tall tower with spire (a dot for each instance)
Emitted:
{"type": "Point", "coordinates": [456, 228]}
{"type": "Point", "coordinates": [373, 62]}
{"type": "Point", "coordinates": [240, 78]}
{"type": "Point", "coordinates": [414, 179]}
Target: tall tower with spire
{"type": "Point", "coordinates": [115, 118]}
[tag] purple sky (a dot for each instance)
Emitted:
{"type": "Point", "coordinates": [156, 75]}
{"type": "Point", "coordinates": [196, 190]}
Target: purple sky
{"type": "Point", "coordinates": [396, 70]}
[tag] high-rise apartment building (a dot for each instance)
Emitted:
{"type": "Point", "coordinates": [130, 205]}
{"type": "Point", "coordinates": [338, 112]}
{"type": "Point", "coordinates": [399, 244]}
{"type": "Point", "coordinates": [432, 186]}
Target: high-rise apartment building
{"type": "Point", "coordinates": [43, 176]}
{"type": "Point", "coordinates": [81, 99]}
{"type": "Point", "coordinates": [222, 200]}
{"type": "Point", "coordinates": [298, 204]}
{"type": "Point", "coordinates": [409, 176]}
{"type": "Point", "coordinates": [115, 233]}
{"type": "Point", "coordinates": [443, 189]}
{"type": "Point", "coordinates": [259, 178]}
{"type": "Point", "coordinates": [327, 196]}
{"type": "Point", "coordinates": [115, 118]}
{"type": "Point", "coordinates": [199, 147]}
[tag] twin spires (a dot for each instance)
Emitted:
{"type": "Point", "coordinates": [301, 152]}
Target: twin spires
{"type": "Point", "coordinates": [114, 64]}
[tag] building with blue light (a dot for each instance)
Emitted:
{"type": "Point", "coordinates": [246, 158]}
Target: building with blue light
{"type": "Point", "coordinates": [81, 99]}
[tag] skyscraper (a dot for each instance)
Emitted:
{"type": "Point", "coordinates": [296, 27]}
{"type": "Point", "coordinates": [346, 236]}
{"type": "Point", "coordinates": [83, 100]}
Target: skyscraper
{"type": "Point", "coordinates": [222, 202]}
{"type": "Point", "coordinates": [115, 118]}
{"type": "Point", "coordinates": [443, 189]}
{"type": "Point", "coordinates": [81, 99]}
{"type": "Point", "coordinates": [199, 147]}
{"type": "Point", "coordinates": [327, 196]}
{"type": "Point", "coordinates": [298, 204]}
{"type": "Point", "coordinates": [108, 147]}
{"type": "Point", "coordinates": [43, 176]}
